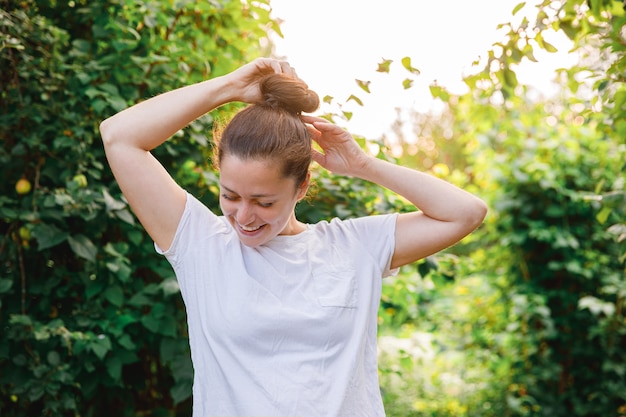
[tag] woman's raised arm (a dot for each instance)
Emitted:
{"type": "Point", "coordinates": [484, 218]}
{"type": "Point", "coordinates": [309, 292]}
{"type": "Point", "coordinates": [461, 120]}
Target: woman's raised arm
{"type": "Point", "coordinates": [131, 134]}
{"type": "Point", "coordinates": [447, 213]}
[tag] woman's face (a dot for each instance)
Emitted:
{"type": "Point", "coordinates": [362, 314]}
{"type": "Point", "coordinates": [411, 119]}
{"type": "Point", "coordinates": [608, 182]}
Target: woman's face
{"type": "Point", "coordinates": [257, 200]}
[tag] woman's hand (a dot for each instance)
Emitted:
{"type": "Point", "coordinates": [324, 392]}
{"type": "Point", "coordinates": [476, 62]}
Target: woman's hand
{"type": "Point", "coordinates": [340, 152]}
{"type": "Point", "coordinates": [245, 79]}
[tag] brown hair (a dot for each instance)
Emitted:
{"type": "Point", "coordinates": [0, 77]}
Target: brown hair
{"type": "Point", "coordinates": [272, 129]}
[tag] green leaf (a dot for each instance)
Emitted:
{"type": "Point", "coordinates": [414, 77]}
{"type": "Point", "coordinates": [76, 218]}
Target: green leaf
{"type": "Point", "coordinates": [620, 128]}
{"type": "Point", "coordinates": [83, 247]}
{"type": "Point", "coordinates": [439, 92]}
{"type": "Point", "coordinates": [364, 85]}
{"type": "Point", "coordinates": [596, 306]}
{"type": "Point", "coordinates": [47, 235]}
{"type": "Point", "coordinates": [170, 286]}
{"type": "Point", "coordinates": [528, 52]}
{"type": "Point", "coordinates": [100, 346]}
{"type": "Point", "coordinates": [406, 362]}
{"type": "Point", "coordinates": [518, 8]}
{"type": "Point", "coordinates": [151, 323]}
{"type": "Point", "coordinates": [120, 269]}
{"type": "Point", "coordinates": [54, 359]}
{"type": "Point", "coordinates": [110, 89]}
{"type": "Point", "coordinates": [549, 47]}
{"type": "Point", "coordinates": [114, 367]}
{"type": "Point", "coordinates": [115, 295]}
{"type": "Point", "coordinates": [510, 78]}
{"type": "Point", "coordinates": [181, 390]}
{"type": "Point", "coordinates": [111, 203]}
{"type": "Point", "coordinates": [604, 214]}
{"type": "Point", "coordinates": [170, 349]}
{"type": "Point", "coordinates": [384, 65]}
{"type": "Point", "coordinates": [126, 342]}
{"type": "Point", "coordinates": [35, 393]}
{"type": "Point", "coordinates": [355, 99]}
{"type": "Point", "coordinates": [7, 212]}
{"type": "Point", "coordinates": [125, 215]}
{"type": "Point", "coordinates": [99, 105]}
{"type": "Point", "coordinates": [123, 320]}
{"type": "Point", "coordinates": [21, 319]}
{"type": "Point", "coordinates": [619, 99]}
{"type": "Point", "coordinates": [168, 326]}
{"type": "Point", "coordinates": [83, 78]}
{"type": "Point", "coordinates": [406, 63]}
{"type": "Point", "coordinates": [139, 300]}
{"type": "Point", "coordinates": [5, 285]}
{"type": "Point", "coordinates": [94, 287]}
{"type": "Point", "coordinates": [543, 44]}
{"type": "Point", "coordinates": [92, 92]}
{"type": "Point", "coordinates": [118, 103]}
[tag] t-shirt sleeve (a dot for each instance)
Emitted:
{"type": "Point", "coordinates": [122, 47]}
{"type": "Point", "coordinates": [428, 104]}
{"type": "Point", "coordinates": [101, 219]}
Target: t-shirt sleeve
{"type": "Point", "coordinates": [197, 222]}
{"type": "Point", "coordinates": [377, 234]}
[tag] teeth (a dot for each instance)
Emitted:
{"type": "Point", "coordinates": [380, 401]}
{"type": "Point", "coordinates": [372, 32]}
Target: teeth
{"type": "Point", "coordinates": [249, 229]}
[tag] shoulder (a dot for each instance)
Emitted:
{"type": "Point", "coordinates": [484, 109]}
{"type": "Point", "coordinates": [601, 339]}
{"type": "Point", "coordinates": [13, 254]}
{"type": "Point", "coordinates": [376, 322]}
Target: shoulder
{"type": "Point", "coordinates": [359, 225]}
{"type": "Point", "coordinates": [358, 241]}
{"type": "Point", "coordinates": [370, 233]}
{"type": "Point", "coordinates": [197, 222]}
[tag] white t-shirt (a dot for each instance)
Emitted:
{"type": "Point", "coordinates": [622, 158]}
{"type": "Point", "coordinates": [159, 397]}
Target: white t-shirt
{"type": "Point", "coordinates": [288, 328]}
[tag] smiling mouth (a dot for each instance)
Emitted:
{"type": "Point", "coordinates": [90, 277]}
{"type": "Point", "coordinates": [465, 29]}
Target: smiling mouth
{"type": "Point", "coordinates": [250, 229]}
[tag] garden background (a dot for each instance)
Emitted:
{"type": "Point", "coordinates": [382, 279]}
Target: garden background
{"type": "Point", "coordinates": [523, 318]}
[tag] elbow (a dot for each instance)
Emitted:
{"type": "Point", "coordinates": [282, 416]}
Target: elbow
{"type": "Point", "coordinates": [109, 131]}
{"type": "Point", "coordinates": [476, 213]}
{"type": "Point", "coordinates": [105, 132]}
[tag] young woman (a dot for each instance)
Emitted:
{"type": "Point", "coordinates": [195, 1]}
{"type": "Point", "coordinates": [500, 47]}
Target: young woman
{"type": "Point", "coordinates": [282, 315]}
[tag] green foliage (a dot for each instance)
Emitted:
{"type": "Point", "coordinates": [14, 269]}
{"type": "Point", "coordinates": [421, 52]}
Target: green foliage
{"type": "Point", "coordinates": [550, 339]}
{"type": "Point", "coordinates": [526, 318]}
{"type": "Point", "coordinates": [452, 360]}
{"type": "Point", "coordinates": [559, 196]}
{"type": "Point", "coordinates": [92, 321]}
{"type": "Point", "coordinates": [559, 259]}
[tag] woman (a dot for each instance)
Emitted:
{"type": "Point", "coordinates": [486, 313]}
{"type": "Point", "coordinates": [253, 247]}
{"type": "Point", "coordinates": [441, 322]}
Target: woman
{"type": "Point", "coordinates": [281, 314]}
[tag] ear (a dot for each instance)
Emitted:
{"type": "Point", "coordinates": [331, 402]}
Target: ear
{"type": "Point", "coordinates": [304, 186]}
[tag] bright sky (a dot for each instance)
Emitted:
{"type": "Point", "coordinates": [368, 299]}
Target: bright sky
{"type": "Point", "coordinates": [333, 42]}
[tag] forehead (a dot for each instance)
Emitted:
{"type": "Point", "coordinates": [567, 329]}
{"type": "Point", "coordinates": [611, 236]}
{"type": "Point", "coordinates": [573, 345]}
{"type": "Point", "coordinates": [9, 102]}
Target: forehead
{"type": "Point", "coordinates": [253, 176]}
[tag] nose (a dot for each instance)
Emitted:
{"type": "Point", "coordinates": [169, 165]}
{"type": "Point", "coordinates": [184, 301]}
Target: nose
{"type": "Point", "coordinates": [245, 214]}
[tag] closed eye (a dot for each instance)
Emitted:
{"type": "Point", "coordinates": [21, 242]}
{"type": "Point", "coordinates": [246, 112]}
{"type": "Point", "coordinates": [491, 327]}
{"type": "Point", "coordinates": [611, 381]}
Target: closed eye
{"type": "Point", "coordinates": [228, 197]}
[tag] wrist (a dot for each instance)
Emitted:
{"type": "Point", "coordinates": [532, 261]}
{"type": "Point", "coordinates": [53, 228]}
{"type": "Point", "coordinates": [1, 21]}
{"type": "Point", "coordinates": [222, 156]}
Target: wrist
{"type": "Point", "coordinates": [366, 167]}
{"type": "Point", "coordinates": [220, 90]}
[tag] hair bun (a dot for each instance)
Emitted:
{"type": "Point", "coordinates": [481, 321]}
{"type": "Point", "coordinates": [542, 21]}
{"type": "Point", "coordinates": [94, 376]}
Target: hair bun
{"type": "Point", "coordinates": [291, 94]}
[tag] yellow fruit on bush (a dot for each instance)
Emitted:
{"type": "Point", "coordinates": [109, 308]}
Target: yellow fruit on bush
{"type": "Point", "coordinates": [24, 233]}
{"type": "Point", "coordinates": [22, 186]}
{"type": "Point", "coordinates": [81, 180]}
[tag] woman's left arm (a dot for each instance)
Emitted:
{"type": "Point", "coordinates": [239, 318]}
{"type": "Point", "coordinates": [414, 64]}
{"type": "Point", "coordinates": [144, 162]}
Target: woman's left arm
{"type": "Point", "coordinates": [446, 213]}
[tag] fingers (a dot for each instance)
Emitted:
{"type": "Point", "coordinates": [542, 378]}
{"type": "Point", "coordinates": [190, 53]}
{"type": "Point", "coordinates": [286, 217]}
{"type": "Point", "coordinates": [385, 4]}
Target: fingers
{"type": "Point", "coordinates": [319, 123]}
{"type": "Point", "coordinates": [288, 69]}
{"type": "Point", "coordinates": [318, 157]}
{"type": "Point", "coordinates": [276, 66]}
{"type": "Point", "coordinates": [313, 131]}
{"type": "Point", "coordinates": [323, 126]}
{"type": "Point", "coordinates": [312, 119]}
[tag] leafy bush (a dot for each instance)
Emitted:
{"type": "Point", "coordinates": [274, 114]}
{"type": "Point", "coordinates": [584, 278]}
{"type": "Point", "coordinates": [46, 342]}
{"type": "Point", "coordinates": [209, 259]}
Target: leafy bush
{"type": "Point", "coordinates": [554, 244]}
{"type": "Point", "coordinates": [529, 321]}
{"type": "Point", "coordinates": [92, 321]}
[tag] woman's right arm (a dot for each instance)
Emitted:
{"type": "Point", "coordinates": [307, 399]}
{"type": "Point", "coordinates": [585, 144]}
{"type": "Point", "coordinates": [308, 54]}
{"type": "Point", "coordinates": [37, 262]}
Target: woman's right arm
{"type": "Point", "coordinates": [129, 136]}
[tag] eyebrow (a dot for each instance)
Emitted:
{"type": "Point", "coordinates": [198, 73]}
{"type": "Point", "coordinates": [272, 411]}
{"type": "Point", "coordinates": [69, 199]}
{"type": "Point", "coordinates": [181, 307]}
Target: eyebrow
{"type": "Point", "coordinates": [253, 195]}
